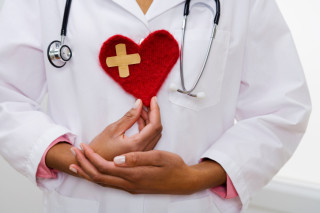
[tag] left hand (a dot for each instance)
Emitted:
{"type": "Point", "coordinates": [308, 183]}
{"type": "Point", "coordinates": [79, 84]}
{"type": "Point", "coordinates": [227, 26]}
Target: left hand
{"type": "Point", "coordinates": [152, 172]}
{"type": "Point", "coordinates": [112, 141]}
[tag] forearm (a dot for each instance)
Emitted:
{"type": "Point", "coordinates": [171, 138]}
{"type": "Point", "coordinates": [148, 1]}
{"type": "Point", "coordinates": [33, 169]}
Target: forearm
{"type": "Point", "coordinates": [207, 174]}
{"type": "Point", "coordinates": [60, 157]}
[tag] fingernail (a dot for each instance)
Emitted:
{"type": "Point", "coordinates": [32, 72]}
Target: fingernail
{"type": "Point", "coordinates": [155, 99]}
{"type": "Point", "coordinates": [81, 147]}
{"type": "Point", "coordinates": [136, 104]}
{"type": "Point", "coordinates": [73, 152]}
{"type": "Point", "coordinates": [74, 170]}
{"type": "Point", "coordinates": [119, 160]}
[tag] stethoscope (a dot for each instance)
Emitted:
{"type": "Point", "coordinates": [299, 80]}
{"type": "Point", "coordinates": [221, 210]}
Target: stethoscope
{"type": "Point", "coordinates": [59, 53]}
{"type": "Point", "coordinates": [173, 87]}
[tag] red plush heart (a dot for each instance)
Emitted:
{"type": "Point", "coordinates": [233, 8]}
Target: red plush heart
{"type": "Point", "coordinates": [158, 52]}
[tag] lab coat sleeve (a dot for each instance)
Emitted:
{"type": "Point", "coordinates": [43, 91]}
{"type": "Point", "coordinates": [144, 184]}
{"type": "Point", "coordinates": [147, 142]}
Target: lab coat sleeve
{"type": "Point", "coordinates": [25, 131]}
{"type": "Point", "coordinates": [273, 105]}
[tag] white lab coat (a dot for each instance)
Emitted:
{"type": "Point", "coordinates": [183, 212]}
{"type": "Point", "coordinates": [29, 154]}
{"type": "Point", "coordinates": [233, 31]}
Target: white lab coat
{"type": "Point", "coordinates": [253, 75]}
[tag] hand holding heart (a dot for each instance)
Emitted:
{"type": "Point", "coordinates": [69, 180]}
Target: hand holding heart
{"type": "Point", "coordinates": [112, 141]}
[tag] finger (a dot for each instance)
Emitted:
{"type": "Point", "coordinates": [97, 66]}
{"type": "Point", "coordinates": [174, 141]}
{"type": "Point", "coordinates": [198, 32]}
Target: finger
{"type": "Point", "coordinates": [145, 116]}
{"type": "Point", "coordinates": [102, 165]}
{"type": "Point", "coordinates": [155, 126]}
{"type": "Point", "coordinates": [154, 112]}
{"type": "Point", "coordinates": [103, 180]}
{"type": "Point", "coordinates": [133, 159]}
{"type": "Point", "coordinates": [141, 123]}
{"type": "Point", "coordinates": [128, 119]}
{"type": "Point", "coordinates": [77, 170]}
{"type": "Point", "coordinates": [85, 165]}
{"type": "Point", "coordinates": [87, 170]}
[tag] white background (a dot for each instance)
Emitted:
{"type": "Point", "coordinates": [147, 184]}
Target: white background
{"type": "Point", "coordinates": [17, 194]}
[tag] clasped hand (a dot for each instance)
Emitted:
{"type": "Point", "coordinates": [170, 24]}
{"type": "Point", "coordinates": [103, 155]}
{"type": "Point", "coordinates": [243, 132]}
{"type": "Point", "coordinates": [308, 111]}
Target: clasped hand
{"type": "Point", "coordinates": [139, 170]}
{"type": "Point", "coordinates": [129, 163]}
{"type": "Point", "coordinates": [112, 141]}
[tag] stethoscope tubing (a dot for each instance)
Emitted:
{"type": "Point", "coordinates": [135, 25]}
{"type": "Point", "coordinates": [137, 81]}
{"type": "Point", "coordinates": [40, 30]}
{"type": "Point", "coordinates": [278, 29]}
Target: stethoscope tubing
{"type": "Point", "coordinates": [65, 18]}
{"type": "Point", "coordinates": [212, 36]}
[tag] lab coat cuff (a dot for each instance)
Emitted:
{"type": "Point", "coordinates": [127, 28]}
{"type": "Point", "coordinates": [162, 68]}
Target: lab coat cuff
{"type": "Point", "coordinates": [234, 172]}
{"type": "Point", "coordinates": [40, 147]}
{"type": "Point", "coordinates": [226, 191]}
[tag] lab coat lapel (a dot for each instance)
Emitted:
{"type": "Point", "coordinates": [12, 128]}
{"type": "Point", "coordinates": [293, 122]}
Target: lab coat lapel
{"type": "Point", "coordinates": [132, 7]}
{"type": "Point", "coordinates": [160, 6]}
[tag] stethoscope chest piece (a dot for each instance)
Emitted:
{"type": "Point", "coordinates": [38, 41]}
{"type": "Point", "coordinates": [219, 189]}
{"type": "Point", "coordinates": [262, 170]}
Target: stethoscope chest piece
{"type": "Point", "coordinates": [58, 54]}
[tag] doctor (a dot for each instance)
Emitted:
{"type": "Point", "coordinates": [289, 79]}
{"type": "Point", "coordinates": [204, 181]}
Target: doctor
{"type": "Point", "coordinates": [253, 75]}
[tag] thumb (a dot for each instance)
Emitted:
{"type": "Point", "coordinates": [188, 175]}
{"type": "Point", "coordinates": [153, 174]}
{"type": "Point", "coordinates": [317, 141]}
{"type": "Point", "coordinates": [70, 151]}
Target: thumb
{"type": "Point", "coordinates": [132, 159]}
{"type": "Point", "coordinates": [124, 123]}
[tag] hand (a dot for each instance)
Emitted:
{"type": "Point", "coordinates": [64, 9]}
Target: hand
{"type": "Point", "coordinates": [112, 141]}
{"type": "Point", "coordinates": [154, 172]}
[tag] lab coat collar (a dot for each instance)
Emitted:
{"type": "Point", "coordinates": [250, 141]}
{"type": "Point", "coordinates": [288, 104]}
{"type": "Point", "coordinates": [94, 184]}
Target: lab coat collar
{"type": "Point", "coordinates": [133, 7]}
{"type": "Point", "coordinates": [157, 7]}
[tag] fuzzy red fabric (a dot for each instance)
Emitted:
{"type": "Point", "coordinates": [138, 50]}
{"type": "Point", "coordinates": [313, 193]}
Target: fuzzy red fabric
{"type": "Point", "coordinates": [159, 52]}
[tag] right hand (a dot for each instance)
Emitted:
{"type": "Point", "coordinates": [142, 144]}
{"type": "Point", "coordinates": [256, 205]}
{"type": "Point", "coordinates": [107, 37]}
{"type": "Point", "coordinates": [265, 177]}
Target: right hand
{"type": "Point", "coordinates": [112, 141]}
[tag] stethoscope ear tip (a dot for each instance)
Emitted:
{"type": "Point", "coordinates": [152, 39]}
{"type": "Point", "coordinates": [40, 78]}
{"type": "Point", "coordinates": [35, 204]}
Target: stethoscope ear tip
{"type": "Point", "coordinates": [173, 87]}
{"type": "Point", "coordinates": [201, 95]}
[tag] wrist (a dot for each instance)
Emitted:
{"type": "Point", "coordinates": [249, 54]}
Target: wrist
{"type": "Point", "coordinates": [207, 174]}
{"type": "Point", "coordinates": [60, 157]}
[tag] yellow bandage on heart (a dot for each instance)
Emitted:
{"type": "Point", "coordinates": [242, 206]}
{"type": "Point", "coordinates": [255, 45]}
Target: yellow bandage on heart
{"type": "Point", "coordinates": [122, 60]}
